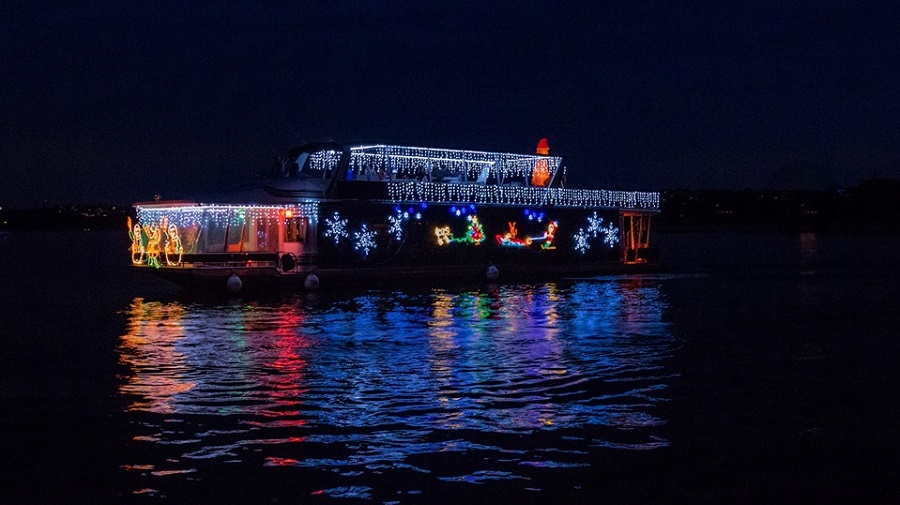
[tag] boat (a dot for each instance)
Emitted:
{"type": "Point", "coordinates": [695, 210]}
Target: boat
{"type": "Point", "coordinates": [330, 214]}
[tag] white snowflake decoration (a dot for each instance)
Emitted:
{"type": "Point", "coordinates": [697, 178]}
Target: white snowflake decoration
{"type": "Point", "coordinates": [595, 229]}
{"type": "Point", "coordinates": [611, 237]}
{"type": "Point", "coordinates": [581, 241]}
{"type": "Point", "coordinates": [595, 225]}
{"type": "Point", "coordinates": [396, 228]}
{"type": "Point", "coordinates": [365, 240]}
{"type": "Point", "coordinates": [336, 228]}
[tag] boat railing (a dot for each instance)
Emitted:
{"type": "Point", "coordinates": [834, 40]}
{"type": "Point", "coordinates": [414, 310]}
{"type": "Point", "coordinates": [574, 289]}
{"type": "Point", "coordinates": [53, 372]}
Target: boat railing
{"type": "Point", "coordinates": [402, 191]}
{"type": "Point", "coordinates": [229, 260]}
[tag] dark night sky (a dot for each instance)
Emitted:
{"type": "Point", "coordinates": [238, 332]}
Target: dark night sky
{"type": "Point", "coordinates": [111, 102]}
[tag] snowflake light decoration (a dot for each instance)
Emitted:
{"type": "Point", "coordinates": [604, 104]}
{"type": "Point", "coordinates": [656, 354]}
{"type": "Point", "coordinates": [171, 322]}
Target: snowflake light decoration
{"type": "Point", "coordinates": [611, 237]}
{"type": "Point", "coordinates": [581, 241]}
{"type": "Point", "coordinates": [396, 228]}
{"type": "Point", "coordinates": [336, 228]}
{"type": "Point", "coordinates": [595, 225]}
{"type": "Point", "coordinates": [365, 240]}
{"type": "Point", "coordinates": [595, 229]}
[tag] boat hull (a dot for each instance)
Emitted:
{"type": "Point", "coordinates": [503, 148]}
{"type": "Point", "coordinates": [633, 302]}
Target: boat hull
{"type": "Point", "coordinates": [270, 279]}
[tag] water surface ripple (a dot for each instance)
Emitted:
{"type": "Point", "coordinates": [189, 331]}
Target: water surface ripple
{"type": "Point", "coordinates": [380, 394]}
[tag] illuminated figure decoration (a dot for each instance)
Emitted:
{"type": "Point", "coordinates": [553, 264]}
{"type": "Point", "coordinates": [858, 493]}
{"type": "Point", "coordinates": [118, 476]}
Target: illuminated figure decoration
{"type": "Point", "coordinates": [153, 250]}
{"type": "Point", "coordinates": [552, 226]}
{"type": "Point", "coordinates": [336, 228]}
{"type": "Point", "coordinates": [173, 250]}
{"type": "Point", "coordinates": [365, 240]}
{"type": "Point", "coordinates": [137, 243]}
{"type": "Point", "coordinates": [443, 235]}
{"type": "Point", "coordinates": [541, 176]}
{"type": "Point", "coordinates": [509, 239]}
{"type": "Point", "coordinates": [474, 233]}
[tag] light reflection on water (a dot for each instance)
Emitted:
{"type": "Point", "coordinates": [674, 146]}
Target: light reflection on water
{"type": "Point", "coordinates": [528, 378]}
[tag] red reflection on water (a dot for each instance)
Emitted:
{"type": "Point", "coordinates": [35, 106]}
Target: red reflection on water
{"type": "Point", "coordinates": [283, 386]}
{"type": "Point", "coordinates": [275, 461]}
{"type": "Point", "coordinates": [178, 357]}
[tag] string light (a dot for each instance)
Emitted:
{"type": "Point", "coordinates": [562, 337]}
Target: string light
{"type": "Point", "coordinates": [204, 215]}
{"type": "Point", "coordinates": [454, 163]}
{"type": "Point", "coordinates": [436, 192]}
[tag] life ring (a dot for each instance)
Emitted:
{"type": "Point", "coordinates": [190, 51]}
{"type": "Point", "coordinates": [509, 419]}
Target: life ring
{"type": "Point", "coordinates": [288, 262]}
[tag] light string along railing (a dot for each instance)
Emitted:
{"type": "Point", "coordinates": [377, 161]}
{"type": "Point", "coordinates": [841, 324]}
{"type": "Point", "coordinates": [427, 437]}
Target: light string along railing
{"type": "Point", "coordinates": [415, 191]}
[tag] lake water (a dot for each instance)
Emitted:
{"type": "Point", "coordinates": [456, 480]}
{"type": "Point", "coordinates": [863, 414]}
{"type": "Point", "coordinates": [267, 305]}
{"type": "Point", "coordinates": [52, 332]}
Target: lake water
{"type": "Point", "coordinates": [760, 368]}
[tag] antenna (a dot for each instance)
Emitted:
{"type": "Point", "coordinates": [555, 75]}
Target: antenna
{"type": "Point", "coordinates": [285, 123]}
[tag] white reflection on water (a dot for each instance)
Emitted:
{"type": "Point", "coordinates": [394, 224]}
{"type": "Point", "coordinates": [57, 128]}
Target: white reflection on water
{"type": "Point", "coordinates": [379, 378]}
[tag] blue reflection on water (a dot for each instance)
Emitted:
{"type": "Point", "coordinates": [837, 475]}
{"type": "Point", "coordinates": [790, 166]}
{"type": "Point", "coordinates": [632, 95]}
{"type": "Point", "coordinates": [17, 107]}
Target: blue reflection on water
{"type": "Point", "coordinates": [523, 376]}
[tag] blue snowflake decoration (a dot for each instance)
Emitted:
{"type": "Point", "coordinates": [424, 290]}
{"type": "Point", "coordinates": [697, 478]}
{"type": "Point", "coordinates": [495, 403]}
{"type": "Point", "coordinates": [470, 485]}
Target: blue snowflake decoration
{"type": "Point", "coordinates": [611, 237]}
{"type": "Point", "coordinates": [365, 240]}
{"type": "Point", "coordinates": [581, 241]}
{"type": "Point", "coordinates": [595, 225]}
{"type": "Point", "coordinates": [396, 227]}
{"type": "Point", "coordinates": [534, 215]}
{"type": "Point", "coordinates": [336, 228]}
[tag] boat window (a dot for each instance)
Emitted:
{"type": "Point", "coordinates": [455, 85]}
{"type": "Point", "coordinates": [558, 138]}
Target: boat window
{"type": "Point", "coordinates": [295, 229]}
{"type": "Point", "coordinates": [320, 164]}
{"type": "Point", "coordinates": [237, 232]}
{"type": "Point", "coordinates": [266, 234]}
{"type": "Point", "coordinates": [212, 238]}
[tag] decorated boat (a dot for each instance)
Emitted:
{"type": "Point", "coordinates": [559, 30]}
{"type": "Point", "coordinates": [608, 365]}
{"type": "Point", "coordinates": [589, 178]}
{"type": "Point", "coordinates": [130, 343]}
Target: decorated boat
{"type": "Point", "coordinates": [331, 214]}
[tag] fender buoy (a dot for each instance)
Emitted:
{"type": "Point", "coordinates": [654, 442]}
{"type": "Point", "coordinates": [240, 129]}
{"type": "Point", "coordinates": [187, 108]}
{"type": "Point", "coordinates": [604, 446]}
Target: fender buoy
{"type": "Point", "coordinates": [288, 262]}
{"type": "Point", "coordinates": [234, 283]}
{"type": "Point", "coordinates": [492, 273]}
{"type": "Point", "coordinates": [311, 282]}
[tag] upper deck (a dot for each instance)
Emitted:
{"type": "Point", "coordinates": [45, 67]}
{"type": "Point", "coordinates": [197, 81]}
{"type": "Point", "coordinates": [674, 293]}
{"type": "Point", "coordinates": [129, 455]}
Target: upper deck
{"type": "Point", "coordinates": [423, 174]}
